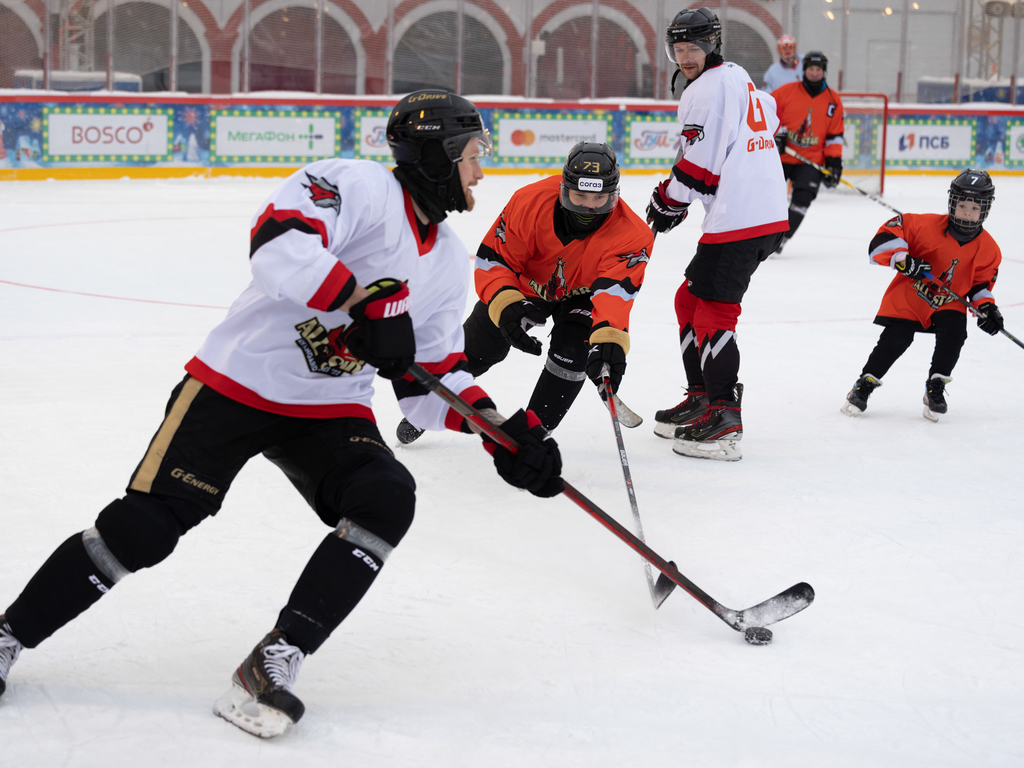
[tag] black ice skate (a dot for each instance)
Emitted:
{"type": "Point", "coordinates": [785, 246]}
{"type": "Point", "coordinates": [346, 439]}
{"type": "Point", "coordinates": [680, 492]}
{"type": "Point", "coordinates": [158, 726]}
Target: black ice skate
{"type": "Point", "coordinates": [715, 434]}
{"type": "Point", "coordinates": [692, 408]}
{"type": "Point", "coordinates": [407, 433]}
{"type": "Point", "coordinates": [935, 396]}
{"type": "Point", "coordinates": [857, 399]}
{"type": "Point", "coordinates": [260, 700]}
{"type": "Point", "coordinates": [10, 649]}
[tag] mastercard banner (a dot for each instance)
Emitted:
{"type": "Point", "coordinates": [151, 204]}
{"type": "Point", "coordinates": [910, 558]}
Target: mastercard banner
{"type": "Point", "coordinates": [537, 137]}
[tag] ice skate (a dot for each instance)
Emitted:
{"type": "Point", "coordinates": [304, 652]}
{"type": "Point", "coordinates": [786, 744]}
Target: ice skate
{"type": "Point", "coordinates": [934, 396]}
{"type": "Point", "coordinates": [407, 433]}
{"type": "Point", "coordinates": [10, 649]}
{"type": "Point", "coordinates": [692, 408]}
{"type": "Point", "coordinates": [857, 399]}
{"type": "Point", "coordinates": [716, 434]}
{"type": "Point", "coordinates": [260, 700]}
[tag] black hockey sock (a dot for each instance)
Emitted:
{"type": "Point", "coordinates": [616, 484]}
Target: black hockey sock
{"type": "Point", "coordinates": [691, 356]}
{"type": "Point", "coordinates": [334, 580]}
{"type": "Point", "coordinates": [553, 396]}
{"type": "Point", "coordinates": [720, 362]}
{"type": "Point", "coordinates": [65, 586]}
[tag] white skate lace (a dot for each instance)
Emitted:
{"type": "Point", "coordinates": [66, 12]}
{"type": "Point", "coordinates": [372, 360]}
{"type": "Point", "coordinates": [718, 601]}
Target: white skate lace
{"type": "Point", "coordinates": [282, 662]}
{"type": "Point", "coordinates": [10, 649]}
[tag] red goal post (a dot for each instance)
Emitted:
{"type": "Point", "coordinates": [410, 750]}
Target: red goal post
{"type": "Point", "coordinates": [866, 117]}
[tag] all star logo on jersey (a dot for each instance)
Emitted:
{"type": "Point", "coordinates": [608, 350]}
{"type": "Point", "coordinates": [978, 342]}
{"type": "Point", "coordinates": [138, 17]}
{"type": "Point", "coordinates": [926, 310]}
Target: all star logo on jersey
{"type": "Point", "coordinates": [934, 294]}
{"type": "Point", "coordinates": [640, 257]}
{"type": "Point", "coordinates": [324, 351]}
{"type": "Point", "coordinates": [323, 193]}
{"type": "Point", "coordinates": [692, 133]}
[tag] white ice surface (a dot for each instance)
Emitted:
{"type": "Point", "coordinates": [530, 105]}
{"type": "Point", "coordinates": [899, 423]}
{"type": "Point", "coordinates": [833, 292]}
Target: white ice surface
{"type": "Point", "coordinates": [506, 630]}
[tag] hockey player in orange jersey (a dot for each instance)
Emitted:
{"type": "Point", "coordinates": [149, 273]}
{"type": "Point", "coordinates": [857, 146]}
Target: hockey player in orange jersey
{"type": "Point", "coordinates": [961, 255]}
{"type": "Point", "coordinates": [811, 123]}
{"type": "Point", "coordinates": [567, 249]}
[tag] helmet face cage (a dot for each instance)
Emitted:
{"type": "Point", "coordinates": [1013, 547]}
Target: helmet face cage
{"type": "Point", "coordinates": [591, 168]}
{"type": "Point", "coordinates": [975, 187]}
{"type": "Point", "coordinates": [787, 46]}
{"type": "Point", "coordinates": [700, 27]}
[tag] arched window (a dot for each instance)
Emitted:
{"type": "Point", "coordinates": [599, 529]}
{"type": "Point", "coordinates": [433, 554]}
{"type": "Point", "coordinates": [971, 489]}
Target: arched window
{"type": "Point", "coordinates": [425, 56]}
{"type": "Point", "coordinates": [283, 51]}
{"type": "Point", "coordinates": [142, 46]}
{"type": "Point", "coordinates": [563, 72]}
{"type": "Point", "coordinates": [18, 50]}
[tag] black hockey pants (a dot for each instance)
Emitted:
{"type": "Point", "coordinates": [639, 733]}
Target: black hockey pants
{"type": "Point", "coordinates": [949, 328]}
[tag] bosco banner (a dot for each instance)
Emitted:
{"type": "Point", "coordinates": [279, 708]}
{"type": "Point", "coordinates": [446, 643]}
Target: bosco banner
{"type": "Point", "coordinates": [934, 143]}
{"type": "Point", "coordinates": [271, 136]}
{"type": "Point", "coordinates": [522, 137]}
{"type": "Point", "coordinates": [73, 134]}
{"type": "Point", "coordinates": [651, 139]}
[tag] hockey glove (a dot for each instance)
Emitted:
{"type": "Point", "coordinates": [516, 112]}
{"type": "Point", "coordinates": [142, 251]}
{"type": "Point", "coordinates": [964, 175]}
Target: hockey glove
{"type": "Point", "coordinates": [913, 267]}
{"type": "Point", "coordinates": [381, 331]}
{"type": "Point", "coordinates": [780, 141]}
{"type": "Point", "coordinates": [537, 465]}
{"type": "Point", "coordinates": [835, 167]}
{"type": "Point", "coordinates": [610, 354]}
{"type": "Point", "coordinates": [664, 213]}
{"type": "Point", "coordinates": [516, 319]}
{"type": "Point", "coordinates": [990, 319]}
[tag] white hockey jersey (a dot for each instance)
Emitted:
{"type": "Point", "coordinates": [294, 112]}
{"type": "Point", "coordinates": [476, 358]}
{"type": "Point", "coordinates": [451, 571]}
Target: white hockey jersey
{"type": "Point", "coordinates": [328, 227]}
{"type": "Point", "coordinates": [778, 74]}
{"type": "Point", "coordinates": [728, 157]}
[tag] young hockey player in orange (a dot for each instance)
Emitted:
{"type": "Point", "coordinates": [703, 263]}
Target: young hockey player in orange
{"type": "Point", "coordinates": [568, 249]}
{"type": "Point", "coordinates": [811, 123]}
{"type": "Point", "coordinates": [962, 256]}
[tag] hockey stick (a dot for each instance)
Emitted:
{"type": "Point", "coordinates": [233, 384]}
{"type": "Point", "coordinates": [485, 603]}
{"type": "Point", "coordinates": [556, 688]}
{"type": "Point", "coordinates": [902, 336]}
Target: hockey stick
{"type": "Point", "coordinates": [664, 587]}
{"type": "Point", "coordinates": [772, 610]}
{"type": "Point", "coordinates": [978, 311]}
{"type": "Point", "coordinates": [823, 169]}
{"type": "Point", "coordinates": [630, 418]}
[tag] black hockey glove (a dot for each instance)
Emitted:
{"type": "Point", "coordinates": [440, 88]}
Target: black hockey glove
{"type": "Point", "coordinates": [537, 465]}
{"type": "Point", "coordinates": [835, 166]}
{"type": "Point", "coordinates": [610, 354]}
{"type": "Point", "coordinates": [991, 322]}
{"type": "Point", "coordinates": [664, 213]}
{"type": "Point", "coordinates": [381, 330]}
{"type": "Point", "coordinates": [516, 319]}
{"type": "Point", "coordinates": [780, 141]}
{"type": "Point", "coordinates": [913, 267]}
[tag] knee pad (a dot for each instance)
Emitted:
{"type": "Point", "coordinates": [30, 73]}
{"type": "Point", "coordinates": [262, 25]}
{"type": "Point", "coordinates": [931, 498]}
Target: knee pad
{"type": "Point", "coordinates": [380, 498]}
{"type": "Point", "coordinates": [712, 316]}
{"type": "Point", "coordinates": [567, 352]}
{"type": "Point", "coordinates": [686, 305]}
{"type": "Point", "coordinates": [485, 346]}
{"type": "Point", "coordinates": [802, 198]}
{"type": "Point", "coordinates": [135, 532]}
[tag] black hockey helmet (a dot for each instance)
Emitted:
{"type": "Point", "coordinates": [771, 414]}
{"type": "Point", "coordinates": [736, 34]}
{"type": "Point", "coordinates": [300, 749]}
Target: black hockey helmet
{"type": "Point", "coordinates": [816, 59]}
{"type": "Point", "coordinates": [591, 168]}
{"type": "Point", "coordinates": [699, 26]}
{"type": "Point", "coordinates": [427, 132]}
{"type": "Point", "coordinates": [974, 186]}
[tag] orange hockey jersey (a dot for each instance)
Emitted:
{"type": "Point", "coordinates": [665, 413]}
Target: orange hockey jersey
{"type": "Point", "coordinates": [814, 124]}
{"type": "Point", "coordinates": [523, 256]}
{"type": "Point", "coordinates": [969, 270]}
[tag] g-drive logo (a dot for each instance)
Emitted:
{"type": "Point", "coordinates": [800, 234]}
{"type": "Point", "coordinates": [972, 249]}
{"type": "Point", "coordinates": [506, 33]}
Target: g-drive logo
{"type": "Point", "coordinates": [908, 140]}
{"type": "Point", "coordinates": [591, 185]}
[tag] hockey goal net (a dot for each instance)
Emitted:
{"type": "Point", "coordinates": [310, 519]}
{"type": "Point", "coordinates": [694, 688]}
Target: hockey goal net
{"type": "Point", "coordinates": [866, 117]}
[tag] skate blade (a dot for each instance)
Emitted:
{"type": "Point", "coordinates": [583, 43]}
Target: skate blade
{"type": "Point", "coordinates": [239, 708]}
{"type": "Point", "coordinates": [930, 414]}
{"type": "Point", "coordinates": [719, 450]}
{"type": "Point", "coordinates": [850, 410]}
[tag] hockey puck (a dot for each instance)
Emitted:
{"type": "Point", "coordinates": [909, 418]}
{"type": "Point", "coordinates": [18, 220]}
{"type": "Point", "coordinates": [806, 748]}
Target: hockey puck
{"type": "Point", "coordinates": [758, 635]}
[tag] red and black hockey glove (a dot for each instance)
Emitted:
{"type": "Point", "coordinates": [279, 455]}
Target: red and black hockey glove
{"type": "Point", "coordinates": [537, 465]}
{"type": "Point", "coordinates": [381, 329]}
{"type": "Point", "coordinates": [518, 318]}
{"type": "Point", "coordinates": [990, 319]}
{"type": "Point", "coordinates": [913, 267]}
{"type": "Point", "coordinates": [664, 213]}
{"type": "Point", "coordinates": [610, 354]}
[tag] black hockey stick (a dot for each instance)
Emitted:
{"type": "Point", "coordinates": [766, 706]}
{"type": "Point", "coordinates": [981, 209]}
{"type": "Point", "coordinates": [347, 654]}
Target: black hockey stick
{"type": "Point", "coordinates": [664, 587]}
{"type": "Point", "coordinates": [979, 311]}
{"type": "Point", "coordinates": [823, 169]}
{"type": "Point", "coordinates": [772, 610]}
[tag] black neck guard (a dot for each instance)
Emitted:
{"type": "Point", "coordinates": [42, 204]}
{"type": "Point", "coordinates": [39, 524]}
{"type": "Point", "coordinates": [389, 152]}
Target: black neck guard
{"type": "Point", "coordinates": [961, 236]}
{"type": "Point", "coordinates": [435, 198]}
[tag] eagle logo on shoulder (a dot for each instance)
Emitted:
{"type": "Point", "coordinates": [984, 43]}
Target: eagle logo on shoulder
{"type": "Point", "coordinates": [323, 193]}
{"type": "Point", "coordinates": [895, 221]}
{"type": "Point", "coordinates": [692, 133]}
{"type": "Point", "coordinates": [640, 257]}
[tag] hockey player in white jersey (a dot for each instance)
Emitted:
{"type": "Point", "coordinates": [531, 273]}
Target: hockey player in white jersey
{"type": "Point", "coordinates": [729, 163]}
{"type": "Point", "coordinates": [355, 274]}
